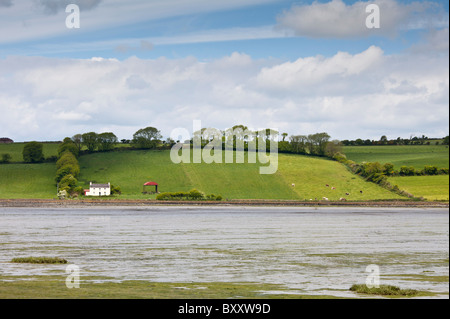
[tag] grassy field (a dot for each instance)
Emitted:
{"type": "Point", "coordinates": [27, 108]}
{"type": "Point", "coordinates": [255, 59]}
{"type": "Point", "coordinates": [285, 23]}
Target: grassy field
{"type": "Point", "coordinates": [429, 187]}
{"type": "Point", "coordinates": [130, 170]}
{"type": "Point", "coordinates": [16, 149]}
{"type": "Point", "coordinates": [28, 181]}
{"type": "Point", "coordinates": [404, 155]}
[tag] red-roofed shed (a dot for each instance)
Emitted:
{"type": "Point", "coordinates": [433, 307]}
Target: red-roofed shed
{"type": "Point", "coordinates": [151, 184]}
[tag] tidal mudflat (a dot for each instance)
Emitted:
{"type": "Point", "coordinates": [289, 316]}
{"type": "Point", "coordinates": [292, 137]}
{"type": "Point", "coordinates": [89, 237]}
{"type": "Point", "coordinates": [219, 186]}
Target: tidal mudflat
{"type": "Point", "coordinates": [305, 251]}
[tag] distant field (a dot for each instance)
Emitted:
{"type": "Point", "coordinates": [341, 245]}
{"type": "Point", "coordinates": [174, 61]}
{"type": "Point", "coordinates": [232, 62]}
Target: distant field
{"type": "Point", "coordinates": [311, 175]}
{"type": "Point", "coordinates": [417, 156]}
{"type": "Point", "coordinates": [16, 149]}
{"type": "Point", "coordinates": [28, 181]}
{"type": "Point", "coordinates": [429, 187]}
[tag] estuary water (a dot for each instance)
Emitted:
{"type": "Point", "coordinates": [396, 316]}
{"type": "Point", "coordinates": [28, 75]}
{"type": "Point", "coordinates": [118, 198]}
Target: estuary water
{"type": "Point", "coordinates": [315, 251]}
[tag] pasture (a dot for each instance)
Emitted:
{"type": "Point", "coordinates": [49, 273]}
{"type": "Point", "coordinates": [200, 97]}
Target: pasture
{"type": "Point", "coordinates": [428, 187]}
{"type": "Point", "coordinates": [417, 156]}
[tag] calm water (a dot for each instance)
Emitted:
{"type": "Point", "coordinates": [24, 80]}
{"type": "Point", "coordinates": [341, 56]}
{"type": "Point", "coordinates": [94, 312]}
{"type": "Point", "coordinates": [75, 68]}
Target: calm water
{"type": "Point", "coordinates": [311, 251]}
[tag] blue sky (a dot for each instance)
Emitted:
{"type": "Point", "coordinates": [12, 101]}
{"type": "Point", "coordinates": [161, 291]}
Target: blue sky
{"type": "Point", "coordinates": [297, 66]}
{"type": "Point", "coordinates": [222, 28]}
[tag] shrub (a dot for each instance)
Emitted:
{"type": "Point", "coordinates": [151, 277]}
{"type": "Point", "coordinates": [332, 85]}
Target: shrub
{"type": "Point", "coordinates": [6, 158]}
{"type": "Point", "coordinates": [443, 171]}
{"type": "Point", "coordinates": [77, 191]}
{"type": "Point", "coordinates": [388, 169]}
{"type": "Point", "coordinates": [407, 171]}
{"type": "Point", "coordinates": [430, 170]}
{"type": "Point", "coordinates": [164, 196]}
{"type": "Point", "coordinates": [192, 195]}
{"type": "Point", "coordinates": [196, 195]}
{"type": "Point", "coordinates": [341, 158]}
{"type": "Point", "coordinates": [67, 170]}
{"type": "Point", "coordinates": [115, 190]}
{"type": "Point", "coordinates": [68, 181]}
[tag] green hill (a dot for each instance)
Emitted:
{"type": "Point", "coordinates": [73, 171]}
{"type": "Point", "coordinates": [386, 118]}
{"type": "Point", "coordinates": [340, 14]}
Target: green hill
{"type": "Point", "coordinates": [131, 169]}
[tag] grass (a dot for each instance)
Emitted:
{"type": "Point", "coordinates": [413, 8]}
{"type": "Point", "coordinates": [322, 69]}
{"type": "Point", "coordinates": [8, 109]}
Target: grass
{"type": "Point", "coordinates": [384, 290]}
{"type": "Point", "coordinates": [130, 170]}
{"type": "Point", "coordinates": [27, 181]}
{"type": "Point", "coordinates": [39, 260]}
{"type": "Point", "coordinates": [417, 156]}
{"type": "Point", "coordinates": [429, 187]}
{"type": "Point", "coordinates": [16, 149]}
{"type": "Point", "coordinates": [311, 175]}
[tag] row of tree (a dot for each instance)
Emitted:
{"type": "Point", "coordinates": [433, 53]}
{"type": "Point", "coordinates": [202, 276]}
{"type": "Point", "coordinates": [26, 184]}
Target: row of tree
{"type": "Point", "coordinates": [413, 140]}
{"type": "Point", "coordinates": [68, 169]}
{"type": "Point", "coordinates": [147, 138]}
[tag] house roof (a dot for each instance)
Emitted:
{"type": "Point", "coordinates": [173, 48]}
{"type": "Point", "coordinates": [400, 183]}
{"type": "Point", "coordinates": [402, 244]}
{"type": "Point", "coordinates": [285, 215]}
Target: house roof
{"type": "Point", "coordinates": [100, 186]}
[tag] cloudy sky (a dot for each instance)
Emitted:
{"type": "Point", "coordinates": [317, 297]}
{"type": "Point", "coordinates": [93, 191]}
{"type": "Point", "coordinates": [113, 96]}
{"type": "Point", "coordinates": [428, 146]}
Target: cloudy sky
{"type": "Point", "coordinates": [301, 67]}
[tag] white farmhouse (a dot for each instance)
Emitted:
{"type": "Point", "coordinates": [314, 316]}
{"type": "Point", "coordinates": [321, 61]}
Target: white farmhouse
{"type": "Point", "coordinates": [98, 190]}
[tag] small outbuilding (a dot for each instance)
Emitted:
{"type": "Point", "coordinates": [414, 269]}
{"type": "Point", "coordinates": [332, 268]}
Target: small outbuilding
{"type": "Point", "coordinates": [150, 184]}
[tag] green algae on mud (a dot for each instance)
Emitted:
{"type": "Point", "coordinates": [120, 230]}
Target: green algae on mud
{"type": "Point", "coordinates": [390, 291]}
{"type": "Point", "coordinates": [39, 260]}
{"type": "Point", "coordinates": [53, 287]}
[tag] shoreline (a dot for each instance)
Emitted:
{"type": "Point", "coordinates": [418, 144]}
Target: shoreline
{"type": "Point", "coordinates": [51, 203]}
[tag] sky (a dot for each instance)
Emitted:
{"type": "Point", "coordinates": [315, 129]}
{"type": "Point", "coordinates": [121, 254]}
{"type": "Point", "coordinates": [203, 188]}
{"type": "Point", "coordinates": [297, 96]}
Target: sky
{"type": "Point", "coordinates": [299, 67]}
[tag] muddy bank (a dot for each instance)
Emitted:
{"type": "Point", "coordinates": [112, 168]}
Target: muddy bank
{"type": "Point", "coordinates": [278, 203]}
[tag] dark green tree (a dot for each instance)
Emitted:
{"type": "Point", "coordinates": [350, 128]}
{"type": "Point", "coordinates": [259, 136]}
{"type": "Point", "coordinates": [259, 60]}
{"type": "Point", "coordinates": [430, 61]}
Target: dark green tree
{"type": "Point", "coordinates": [90, 140]}
{"type": "Point", "coordinates": [106, 141]}
{"type": "Point", "coordinates": [147, 138]}
{"type": "Point", "coordinates": [77, 139]}
{"type": "Point", "coordinates": [33, 152]}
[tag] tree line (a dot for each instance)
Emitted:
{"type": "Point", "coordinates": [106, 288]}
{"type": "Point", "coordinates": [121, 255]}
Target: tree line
{"type": "Point", "coordinates": [413, 140]}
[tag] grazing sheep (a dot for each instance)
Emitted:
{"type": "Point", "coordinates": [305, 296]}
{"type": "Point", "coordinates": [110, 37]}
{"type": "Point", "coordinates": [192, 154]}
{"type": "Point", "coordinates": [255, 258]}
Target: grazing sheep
{"type": "Point", "coordinates": [361, 192]}
{"type": "Point", "coordinates": [327, 185]}
{"type": "Point", "coordinates": [348, 194]}
{"type": "Point", "coordinates": [293, 185]}
{"type": "Point", "coordinates": [333, 188]}
{"type": "Point", "coordinates": [343, 199]}
{"type": "Point", "coordinates": [324, 198]}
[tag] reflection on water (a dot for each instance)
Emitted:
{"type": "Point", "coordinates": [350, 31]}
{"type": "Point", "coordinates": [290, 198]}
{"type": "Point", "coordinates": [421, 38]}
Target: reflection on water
{"type": "Point", "coordinates": [313, 251]}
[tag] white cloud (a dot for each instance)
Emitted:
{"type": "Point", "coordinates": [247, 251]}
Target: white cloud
{"type": "Point", "coordinates": [336, 19]}
{"type": "Point", "coordinates": [305, 73]}
{"type": "Point", "coordinates": [366, 95]}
